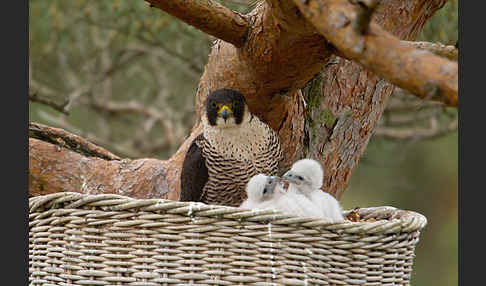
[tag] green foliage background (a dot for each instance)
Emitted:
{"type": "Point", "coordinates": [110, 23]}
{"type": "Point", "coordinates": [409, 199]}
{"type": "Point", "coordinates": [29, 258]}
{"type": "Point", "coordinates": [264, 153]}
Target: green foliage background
{"type": "Point", "coordinates": [69, 49]}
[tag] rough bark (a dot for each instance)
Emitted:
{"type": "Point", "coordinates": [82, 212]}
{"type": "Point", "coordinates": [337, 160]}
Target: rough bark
{"type": "Point", "coordinates": [56, 169]}
{"type": "Point", "coordinates": [61, 161]}
{"type": "Point", "coordinates": [344, 119]}
{"type": "Point", "coordinates": [282, 52]}
{"type": "Point", "coordinates": [448, 51]}
{"type": "Point", "coordinates": [69, 141]}
{"type": "Point", "coordinates": [208, 16]}
{"type": "Point", "coordinates": [420, 72]}
{"type": "Point", "coordinates": [269, 70]}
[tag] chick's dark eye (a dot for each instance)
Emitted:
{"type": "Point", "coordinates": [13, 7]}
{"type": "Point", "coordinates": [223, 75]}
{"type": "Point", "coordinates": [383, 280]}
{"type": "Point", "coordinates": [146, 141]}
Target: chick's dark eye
{"type": "Point", "coordinates": [300, 178]}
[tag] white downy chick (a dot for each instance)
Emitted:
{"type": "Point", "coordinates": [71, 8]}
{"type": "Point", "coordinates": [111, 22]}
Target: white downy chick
{"type": "Point", "coordinates": [266, 192]}
{"type": "Point", "coordinates": [306, 177]}
{"type": "Point", "coordinates": [294, 202]}
{"type": "Point", "coordinates": [260, 192]}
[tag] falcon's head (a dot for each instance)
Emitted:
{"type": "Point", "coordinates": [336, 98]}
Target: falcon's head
{"type": "Point", "coordinates": [307, 174]}
{"type": "Point", "coordinates": [261, 188]}
{"type": "Point", "coordinates": [226, 108]}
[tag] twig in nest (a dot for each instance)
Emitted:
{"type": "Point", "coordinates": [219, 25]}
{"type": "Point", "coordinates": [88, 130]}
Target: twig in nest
{"type": "Point", "coordinates": [353, 215]}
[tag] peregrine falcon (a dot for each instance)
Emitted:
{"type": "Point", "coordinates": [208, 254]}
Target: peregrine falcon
{"type": "Point", "coordinates": [305, 176]}
{"type": "Point", "coordinates": [234, 146]}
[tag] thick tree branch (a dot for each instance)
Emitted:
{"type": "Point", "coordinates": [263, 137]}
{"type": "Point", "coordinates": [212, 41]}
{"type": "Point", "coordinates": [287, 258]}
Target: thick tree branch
{"type": "Point", "coordinates": [448, 51]}
{"type": "Point", "coordinates": [61, 161]}
{"type": "Point", "coordinates": [209, 17]}
{"type": "Point", "coordinates": [102, 139]}
{"type": "Point", "coordinates": [420, 72]}
{"type": "Point", "coordinates": [56, 169]}
{"type": "Point", "coordinates": [69, 141]}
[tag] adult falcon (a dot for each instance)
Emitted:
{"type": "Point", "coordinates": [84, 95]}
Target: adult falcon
{"type": "Point", "coordinates": [234, 146]}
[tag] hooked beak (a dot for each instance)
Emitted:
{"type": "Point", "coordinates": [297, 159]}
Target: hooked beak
{"type": "Point", "coordinates": [225, 112]}
{"type": "Point", "coordinates": [291, 177]}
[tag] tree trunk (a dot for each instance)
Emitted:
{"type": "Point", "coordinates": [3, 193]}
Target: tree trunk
{"type": "Point", "coordinates": [344, 111]}
{"type": "Point", "coordinates": [281, 52]}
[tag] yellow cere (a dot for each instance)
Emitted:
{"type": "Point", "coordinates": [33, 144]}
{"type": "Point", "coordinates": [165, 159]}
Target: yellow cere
{"type": "Point", "coordinates": [225, 107]}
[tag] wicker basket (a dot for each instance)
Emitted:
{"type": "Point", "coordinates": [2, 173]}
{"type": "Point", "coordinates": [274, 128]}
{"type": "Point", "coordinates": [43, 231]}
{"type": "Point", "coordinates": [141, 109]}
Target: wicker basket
{"type": "Point", "coordinates": [78, 239]}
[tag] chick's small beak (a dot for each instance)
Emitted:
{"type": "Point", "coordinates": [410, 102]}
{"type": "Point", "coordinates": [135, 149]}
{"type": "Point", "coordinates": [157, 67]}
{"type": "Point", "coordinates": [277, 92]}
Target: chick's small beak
{"type": "Point", "coordinates": [289, 176]}
{"type": "Point", "coordinates": [225, 112]}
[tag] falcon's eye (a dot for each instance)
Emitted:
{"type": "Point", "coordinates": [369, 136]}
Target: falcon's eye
{"type": "Point", "coordinates": [214, 104]}
{"type": "Point", "coordinates": [236, 105]}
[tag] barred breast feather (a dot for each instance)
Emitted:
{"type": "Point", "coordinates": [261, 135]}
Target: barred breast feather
{"type": "Point", "coordinates": [227, 160]}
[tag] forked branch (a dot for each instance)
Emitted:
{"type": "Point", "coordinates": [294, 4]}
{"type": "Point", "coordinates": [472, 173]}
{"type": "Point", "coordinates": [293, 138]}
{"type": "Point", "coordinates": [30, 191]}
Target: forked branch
{"type": "Point", "coordinates": [209, 17]}
{"type": "Point", "coordinates": [416, 70]}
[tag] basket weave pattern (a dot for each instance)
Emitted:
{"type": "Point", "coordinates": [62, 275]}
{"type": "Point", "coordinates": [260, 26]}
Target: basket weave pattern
{"type": "Point", "coordinates": [79, 239]}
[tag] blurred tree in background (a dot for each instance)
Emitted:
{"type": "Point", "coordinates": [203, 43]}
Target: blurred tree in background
{"type": "Point", "coordinates": [128, 76]}
{"type": "Point", "coordinates": [125, 79]}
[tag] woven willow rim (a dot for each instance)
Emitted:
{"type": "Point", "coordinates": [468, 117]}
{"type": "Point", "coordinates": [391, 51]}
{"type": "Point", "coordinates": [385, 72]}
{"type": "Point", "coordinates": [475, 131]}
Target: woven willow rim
{"type": "Point", "coordinates": [387, 219]}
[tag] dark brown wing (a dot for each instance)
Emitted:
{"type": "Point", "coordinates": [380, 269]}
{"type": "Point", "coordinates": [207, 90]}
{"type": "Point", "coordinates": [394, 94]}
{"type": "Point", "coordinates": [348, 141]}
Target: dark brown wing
{"type": "Point", "coordinates": [194, 173]}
